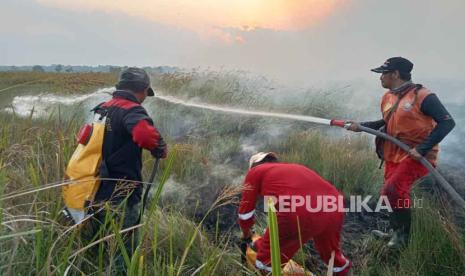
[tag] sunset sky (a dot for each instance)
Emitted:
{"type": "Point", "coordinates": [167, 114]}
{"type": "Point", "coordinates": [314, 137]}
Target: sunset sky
{"type": "Point", "coordinates": [291, 39]}
{"type": "Point", "coordinates": [200, 14]}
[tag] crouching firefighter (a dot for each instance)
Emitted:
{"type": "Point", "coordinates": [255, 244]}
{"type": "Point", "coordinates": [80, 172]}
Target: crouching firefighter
{"type": "Point", "coordinates": [283, 181]}
{"type": "Point", "coordinates": [415, 116]}
{"type": "Point", "coordinates": [111, 148]}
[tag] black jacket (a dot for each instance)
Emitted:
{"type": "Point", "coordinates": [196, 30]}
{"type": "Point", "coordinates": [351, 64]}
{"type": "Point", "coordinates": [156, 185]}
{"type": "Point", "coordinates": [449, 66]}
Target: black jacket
{"type": "Point", "coordinates": [128, 130]}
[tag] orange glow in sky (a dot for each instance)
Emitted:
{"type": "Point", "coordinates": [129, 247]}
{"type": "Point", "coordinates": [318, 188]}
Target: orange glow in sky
{"type": "Point", "coordinates": [203, 14]}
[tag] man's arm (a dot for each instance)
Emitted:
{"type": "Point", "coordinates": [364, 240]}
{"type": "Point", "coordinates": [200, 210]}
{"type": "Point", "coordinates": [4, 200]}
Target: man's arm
{"type": "Point", "coordinates": [373, 124]}
{"type": "Point", "coordinates": [355, 126]}
{"type": "Point", "coordinates": [431, 106]}
{"type": "Point", "coordinates": [142, 130]}
{"type": "Point", "coordinates": [251, 189]}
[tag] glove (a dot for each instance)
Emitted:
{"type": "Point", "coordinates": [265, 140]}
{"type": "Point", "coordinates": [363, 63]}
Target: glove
{"type": "Point", "coordinates": [354, 126]}
{"type": "Point", "coordinates": [161, 150]}
{"type": "Point", "coordinates": [246, 239]}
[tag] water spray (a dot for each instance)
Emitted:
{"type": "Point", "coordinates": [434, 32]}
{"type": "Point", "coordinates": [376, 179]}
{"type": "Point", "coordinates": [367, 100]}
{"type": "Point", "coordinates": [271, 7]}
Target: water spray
{"type": "Point", "coordinates": [239, 111]}
{"type": "Point", "coordinates": [339, 123]}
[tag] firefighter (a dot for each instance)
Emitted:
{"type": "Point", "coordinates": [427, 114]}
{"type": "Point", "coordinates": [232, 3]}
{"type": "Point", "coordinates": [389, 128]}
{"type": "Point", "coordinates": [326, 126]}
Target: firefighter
{"type": "Point", "coordinates": [415, 116]}
{"type": "Point", "coordinates": [268, 177]}
{"type": "Point", "coordinates": [128, 130]}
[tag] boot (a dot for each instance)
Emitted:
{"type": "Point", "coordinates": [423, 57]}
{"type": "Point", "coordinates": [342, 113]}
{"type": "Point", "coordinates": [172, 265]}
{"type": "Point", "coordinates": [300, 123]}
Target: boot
{"type": "Point", "coordinates": [381, 235]}
{"type": "Point", "coordinates": [401, 221]}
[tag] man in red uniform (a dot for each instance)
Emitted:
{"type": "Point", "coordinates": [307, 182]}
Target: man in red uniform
{"type": "Point", "coordinates": [268, 177]}
{"type": "Point", "coordinates": [414, 115]}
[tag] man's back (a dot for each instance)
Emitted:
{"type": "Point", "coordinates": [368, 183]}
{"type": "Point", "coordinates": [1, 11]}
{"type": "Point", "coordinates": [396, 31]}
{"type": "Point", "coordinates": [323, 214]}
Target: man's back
{"type": "Point", "coordinates": [128, 130]}
{"type": "Point", "coordinates": [289, 179]}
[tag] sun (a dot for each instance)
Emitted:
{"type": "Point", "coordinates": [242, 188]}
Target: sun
{"type": "Point", "coordinates": [277, 14]}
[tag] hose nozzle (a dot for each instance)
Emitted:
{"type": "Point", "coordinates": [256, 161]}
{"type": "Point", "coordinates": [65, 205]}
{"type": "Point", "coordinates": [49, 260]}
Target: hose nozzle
{"type": "Point", "coordinates": [340, 123]}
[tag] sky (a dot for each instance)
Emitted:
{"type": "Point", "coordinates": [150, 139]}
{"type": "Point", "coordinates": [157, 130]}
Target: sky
{"type": "Point", "coordinates": [293, 40]}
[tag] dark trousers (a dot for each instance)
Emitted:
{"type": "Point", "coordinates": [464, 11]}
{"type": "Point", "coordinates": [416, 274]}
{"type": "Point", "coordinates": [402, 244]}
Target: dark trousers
{"type": "Point", "coordinates": [107, 220]}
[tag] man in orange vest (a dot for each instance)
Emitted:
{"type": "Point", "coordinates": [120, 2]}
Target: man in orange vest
{"type": "Point", "coordinates": [415, 116]}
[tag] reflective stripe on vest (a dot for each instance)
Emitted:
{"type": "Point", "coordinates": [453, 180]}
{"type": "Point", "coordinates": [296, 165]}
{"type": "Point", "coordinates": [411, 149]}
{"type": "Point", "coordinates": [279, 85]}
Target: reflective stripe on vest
{"type": "Point", "coordinates": [262, 266]}
{"type": "Point", "coordinates": [247, 216]}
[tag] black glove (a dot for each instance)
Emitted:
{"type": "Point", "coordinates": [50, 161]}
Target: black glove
{"type": "Point", "coordinates": [161, 150]}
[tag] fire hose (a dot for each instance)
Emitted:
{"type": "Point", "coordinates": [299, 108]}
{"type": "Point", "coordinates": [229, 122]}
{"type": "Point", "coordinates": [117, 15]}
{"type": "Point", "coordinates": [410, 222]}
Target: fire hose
{"type": "Point", "coordinates": [147, 189]}
{"type": "Point", "coordinates": [439, 178]}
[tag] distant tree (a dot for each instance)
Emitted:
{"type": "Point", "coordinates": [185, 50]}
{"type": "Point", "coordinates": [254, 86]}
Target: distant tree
{"type": "Point", "coordinates": [59, 68]}
{"type": "Point", "coordinates": [69, 69]}
{"type": "Point", "coordinates": [38, 68]}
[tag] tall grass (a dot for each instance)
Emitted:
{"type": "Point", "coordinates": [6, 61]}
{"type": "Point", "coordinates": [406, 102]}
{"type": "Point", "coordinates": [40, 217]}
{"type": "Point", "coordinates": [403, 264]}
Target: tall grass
{"type": "Point", "coordinates": [193, 234]}
{"type": "Point", "coordinates": [31, 226]}
{"type": "Point", "coordinates": [240, 89]}
{"type": "Point", "coordinates": [436, 247]}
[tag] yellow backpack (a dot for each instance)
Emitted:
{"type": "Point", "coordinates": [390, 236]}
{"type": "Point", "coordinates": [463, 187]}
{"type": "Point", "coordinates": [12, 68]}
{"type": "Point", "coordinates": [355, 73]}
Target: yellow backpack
{"type": "Point", "coordinates": [83, 168]}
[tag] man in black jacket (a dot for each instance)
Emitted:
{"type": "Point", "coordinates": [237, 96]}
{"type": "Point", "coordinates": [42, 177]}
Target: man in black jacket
{"type": "Point", "coordinates": [128, 130]}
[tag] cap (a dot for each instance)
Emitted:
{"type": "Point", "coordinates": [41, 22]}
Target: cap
{"type": "Point", "coordinates": [134, 74]}
{"type": "Point", "coordinates": [395, 63]}
{"type": "Point", "coordinates": [260, 156]}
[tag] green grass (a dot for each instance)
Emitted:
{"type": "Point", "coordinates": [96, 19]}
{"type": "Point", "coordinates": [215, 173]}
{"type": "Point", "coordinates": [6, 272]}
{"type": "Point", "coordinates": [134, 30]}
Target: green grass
{"type": "Point", "coordinates": [50, 245]}
{"type": "Point", "coordinates": [274, 239]}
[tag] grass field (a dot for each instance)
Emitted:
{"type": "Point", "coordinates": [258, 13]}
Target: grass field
{"type": "Point", "coordinates": [191, 228]}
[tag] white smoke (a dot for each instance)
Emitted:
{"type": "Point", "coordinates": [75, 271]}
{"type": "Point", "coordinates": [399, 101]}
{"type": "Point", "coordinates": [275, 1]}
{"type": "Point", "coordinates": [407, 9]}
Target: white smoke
{"type": "Point", "coordinates": [174, 192]}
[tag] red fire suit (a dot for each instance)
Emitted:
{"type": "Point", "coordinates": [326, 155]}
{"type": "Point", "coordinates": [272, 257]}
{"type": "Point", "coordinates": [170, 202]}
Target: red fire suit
{"type": "Point", "coordinates": [286, 181]}
{"type": "Point", "coordinates": [399, 179]}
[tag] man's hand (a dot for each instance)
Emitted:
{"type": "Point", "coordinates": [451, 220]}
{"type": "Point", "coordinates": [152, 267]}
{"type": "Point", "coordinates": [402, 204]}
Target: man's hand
{"type": "Point", "coordinates": [246, 239]}
{"type": "Point", "coordinates": [354, 126]}
{"type": "Point", "coordinates": [414, 154]}
{"type": "Point", "coordinates": [161, 150]}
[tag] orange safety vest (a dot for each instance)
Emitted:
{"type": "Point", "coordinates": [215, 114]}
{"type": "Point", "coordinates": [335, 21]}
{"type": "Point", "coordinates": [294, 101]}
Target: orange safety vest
{"type": "Point", "coordinates": [407, 123]}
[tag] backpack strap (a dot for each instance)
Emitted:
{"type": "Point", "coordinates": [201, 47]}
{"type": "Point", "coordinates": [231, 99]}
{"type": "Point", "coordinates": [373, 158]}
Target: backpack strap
{"type": "Point", "coordinates": [399, 97]}
{"type": "Point", "coordinates": [99, 109]}
{"type": "Point", "coordinates": [378, 140]}
{"type": "Point", "coordinates": [417, 89]}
